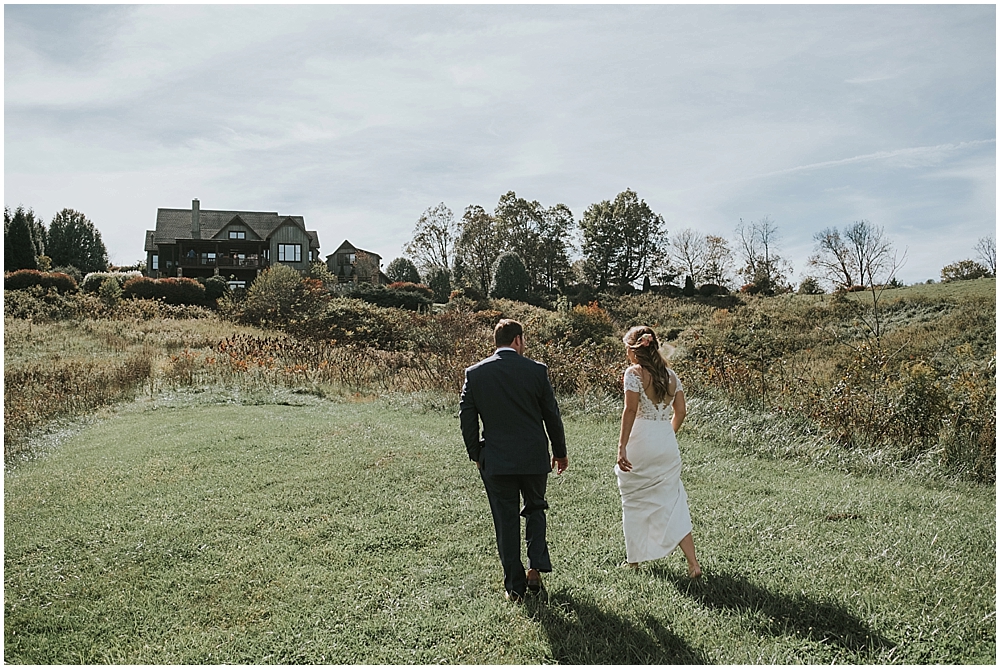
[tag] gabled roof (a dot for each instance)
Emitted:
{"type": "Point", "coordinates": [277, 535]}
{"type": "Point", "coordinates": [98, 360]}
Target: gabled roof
{"type": "Point", "coordinates": [348, 247]}
{"type": "Point", "coordinates": [174, 224]}
{"type": "Point", "coordinates": [150, 246]}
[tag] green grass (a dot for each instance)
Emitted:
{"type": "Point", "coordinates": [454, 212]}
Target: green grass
{"type": "Point", "coordinates": [283, 528]}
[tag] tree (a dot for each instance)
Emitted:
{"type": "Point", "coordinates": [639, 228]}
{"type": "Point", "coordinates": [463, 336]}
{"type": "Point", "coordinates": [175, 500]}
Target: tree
{"type": "Point", "coordinates": [439, 280]}
{"type": "Point", "coordinates": [366, 267]}
{"type": "Point", "coordinates": [987, 249]}
{"type": "Point", "coordinates": [434, 237]}
{"type": "Point", "coordinates": [74, 240]}
{"type": "Point", "coordinates": [718, 268]}
{"type": "Point", "coordinates": [688, 290]}
{"type": "Point", "coordinates": [20, 249]}
{"type": "Point", "coordinates": [762, 267]}
{"type": "Point", "coordinates": [834, 259]}
{"type": "Point", "coordinates": [478, 244]}
{"type": "Point", "coordinates": [510, 278]}
{"type": "Point", "coordinates": [963, 270]}
{"type": "Point", "coordinates": [557, 221]}
{"type": "Point", "coordinates": [871, 253]}
{"type": "Point", "coordinates": [623, 240]}
{"type": "Point", "coordinates": [689, 252]}
{"type": "Point", "coordinates": [402, 270]}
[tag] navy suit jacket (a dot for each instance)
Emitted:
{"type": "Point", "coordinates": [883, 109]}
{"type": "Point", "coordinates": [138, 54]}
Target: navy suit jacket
{"type": "Point", "coordinates": [512, 396]}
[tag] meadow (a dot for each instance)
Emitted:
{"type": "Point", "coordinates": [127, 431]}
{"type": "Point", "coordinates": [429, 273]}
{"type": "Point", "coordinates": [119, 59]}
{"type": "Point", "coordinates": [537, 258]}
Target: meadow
{"type": "Point", "coordinates": [182, 488]}
{"type": "Point", "coordinates": [277, 527]}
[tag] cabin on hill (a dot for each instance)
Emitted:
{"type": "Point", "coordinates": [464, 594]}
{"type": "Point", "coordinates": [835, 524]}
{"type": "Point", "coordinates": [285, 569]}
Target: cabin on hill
{"type": "Point", "coordinates": [237, 245]}
{"type": "Point", "coordinates": [353, 265]}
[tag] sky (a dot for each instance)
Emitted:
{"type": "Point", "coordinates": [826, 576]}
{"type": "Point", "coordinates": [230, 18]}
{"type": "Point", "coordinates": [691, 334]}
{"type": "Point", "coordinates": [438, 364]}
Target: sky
{"type": "Point", "coordinates": [360, 117]}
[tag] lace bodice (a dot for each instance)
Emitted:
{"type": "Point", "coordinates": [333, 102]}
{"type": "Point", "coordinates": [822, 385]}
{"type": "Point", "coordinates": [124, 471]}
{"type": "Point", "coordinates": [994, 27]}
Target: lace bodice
{"type": "Point", "coordinates": [647, 410]}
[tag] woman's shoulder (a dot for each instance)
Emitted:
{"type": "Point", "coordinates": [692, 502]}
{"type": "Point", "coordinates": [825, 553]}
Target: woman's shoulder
{"type": "Point", "coordinates": [634, 369]}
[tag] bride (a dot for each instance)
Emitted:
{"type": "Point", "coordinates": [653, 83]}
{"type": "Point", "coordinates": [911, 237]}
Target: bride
{"type": "Point", "coordinates": [655, 514]}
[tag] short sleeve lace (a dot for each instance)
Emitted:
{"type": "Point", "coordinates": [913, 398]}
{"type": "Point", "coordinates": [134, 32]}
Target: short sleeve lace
{"type": "Point", "coordinates": [647, 410]}
{"type": "Point", "coordinates": [632, 380]}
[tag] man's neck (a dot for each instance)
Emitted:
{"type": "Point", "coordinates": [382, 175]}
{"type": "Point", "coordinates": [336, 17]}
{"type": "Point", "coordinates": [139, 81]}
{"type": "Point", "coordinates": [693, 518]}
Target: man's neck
{"type": "Point", "coordinates": [506, 348]}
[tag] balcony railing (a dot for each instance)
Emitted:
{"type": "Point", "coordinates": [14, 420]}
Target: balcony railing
{"type": "Point", "coordinates": [248, 263]}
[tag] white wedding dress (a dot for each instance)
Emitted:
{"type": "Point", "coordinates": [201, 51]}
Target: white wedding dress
{"type": "Point", "coordinates": [655, 514]}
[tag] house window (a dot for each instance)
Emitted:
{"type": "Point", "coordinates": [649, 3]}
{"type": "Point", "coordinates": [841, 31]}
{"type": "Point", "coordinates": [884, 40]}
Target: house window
{"type": "Point", "coordinates": [237, 234]}
{"type": "Point", "coordinates": [352, 258]}
{"type": "Point", "coordinates": [154, 262]}
{"type": "Point", "coordinates": [236, 284]}
{"type": "Point", "coordinates": [208, 258]}
{"type": "Point", "coordinates": [289, 252]}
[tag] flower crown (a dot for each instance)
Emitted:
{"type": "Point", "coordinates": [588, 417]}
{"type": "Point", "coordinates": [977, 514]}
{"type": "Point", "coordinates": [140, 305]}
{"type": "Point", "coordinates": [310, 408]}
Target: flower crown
{"type": "Point", "coordinates": [644, 340]}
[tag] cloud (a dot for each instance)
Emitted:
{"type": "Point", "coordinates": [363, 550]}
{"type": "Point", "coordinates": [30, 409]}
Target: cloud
{"type": "Point", "coordinates": [363, 116]}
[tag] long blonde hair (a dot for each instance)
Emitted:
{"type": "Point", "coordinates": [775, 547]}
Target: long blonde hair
{"type": "Point", "coordinates": [643, 342]}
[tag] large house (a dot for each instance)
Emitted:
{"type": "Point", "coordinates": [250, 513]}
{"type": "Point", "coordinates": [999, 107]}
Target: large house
{"type": "Point", "coordinates": [236, 245]}
{"type": "Point", "coordinates": [353, 265]}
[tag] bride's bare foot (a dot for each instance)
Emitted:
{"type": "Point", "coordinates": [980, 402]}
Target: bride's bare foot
{"type": "Point", "coordinates": [629, 565]}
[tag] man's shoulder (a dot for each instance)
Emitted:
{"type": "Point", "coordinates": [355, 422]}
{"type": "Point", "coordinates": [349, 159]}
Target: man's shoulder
{"type": "Point", "coordinates": [481, 363]}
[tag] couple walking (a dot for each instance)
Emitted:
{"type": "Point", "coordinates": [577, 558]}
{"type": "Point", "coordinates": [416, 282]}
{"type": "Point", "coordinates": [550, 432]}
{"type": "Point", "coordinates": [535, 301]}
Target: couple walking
{"type": "Point", "coordinates": [512, 397]}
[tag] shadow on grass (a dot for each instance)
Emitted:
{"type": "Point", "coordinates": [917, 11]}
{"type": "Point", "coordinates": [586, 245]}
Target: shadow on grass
{"type": "Point", "coordinates": [783, 614]}
{"type": "Point", "coordinates": [581, 633]}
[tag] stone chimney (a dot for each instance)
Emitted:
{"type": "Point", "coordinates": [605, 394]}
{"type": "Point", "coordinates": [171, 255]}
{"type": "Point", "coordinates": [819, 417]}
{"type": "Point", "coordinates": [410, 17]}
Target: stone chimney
{"type": "Point", "coordinates": [195, 219]}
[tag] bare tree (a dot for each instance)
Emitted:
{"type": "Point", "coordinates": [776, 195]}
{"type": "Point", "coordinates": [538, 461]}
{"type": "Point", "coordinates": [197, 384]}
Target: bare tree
{"type": "Point", "coordinates": [689, 252]}
{"type": "Point", "coordinates": [834, 259]}
{"type": "Point", "coordinates": [434, 235]}
{"type": "Point", "coordinates": [762, 267]}
{"type": "Point", "coordinates": [718, 268]}
{"type": "Point", "coordinates": [987, 249]}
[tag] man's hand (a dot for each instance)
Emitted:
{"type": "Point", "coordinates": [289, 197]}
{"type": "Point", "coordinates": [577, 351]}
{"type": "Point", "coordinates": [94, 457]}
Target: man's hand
{"type": "Point", "coordinates": [560, 465]}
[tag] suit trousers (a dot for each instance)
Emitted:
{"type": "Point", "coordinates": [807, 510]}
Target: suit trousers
{"type": "Point", "coordinates": [505, 492]}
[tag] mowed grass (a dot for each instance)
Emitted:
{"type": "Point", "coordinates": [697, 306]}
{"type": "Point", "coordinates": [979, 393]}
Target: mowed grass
{"type": "Point", "coordinates": [300, 530]}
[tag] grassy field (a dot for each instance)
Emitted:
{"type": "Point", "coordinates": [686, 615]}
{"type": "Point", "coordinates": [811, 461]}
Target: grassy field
{"type": "Point", "coordinates": [275, 527]}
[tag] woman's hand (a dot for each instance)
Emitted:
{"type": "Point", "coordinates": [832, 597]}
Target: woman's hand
{"type": "Point", "coordinates": [623, 463]}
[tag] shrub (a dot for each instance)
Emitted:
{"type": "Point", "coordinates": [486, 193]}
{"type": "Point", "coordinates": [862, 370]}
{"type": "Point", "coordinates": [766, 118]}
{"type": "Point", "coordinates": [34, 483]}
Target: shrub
{"type": "Point", "coordinates": [271, 296]}
{"type": "Point", "coordinates": [181, 290]}
{"type": "Point", "coordinates": [412, 300]}
{"type": "Point", "coordinates": [110, 292]}
{"type": "Point", "coordinates": [510, 279]}
{"type": "Point", "coordinates": [347, 320]}
{"type": "Point", "coordinates": [216, 287]}
{"type": "Point", "coordinates": [963, 270]}
{"type": "Point", "coordinates": [92, 282]}
{"type": "Point", "coordinates": [810, 286]}
{"type": "Point", "coordinates": [709, 289]}
{"type": "Point", "coordinates": [26, 278]}
{"type": "Point", "coordinates": [412, 287]}
{"type": "Point", "coordinates": [71, 271]}
{"type": "Point", "coordinates": [140, 287]}
{"type": "Point", "coordinates": [588, 322]}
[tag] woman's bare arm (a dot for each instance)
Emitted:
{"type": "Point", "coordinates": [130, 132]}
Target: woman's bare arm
{"type": "Point", "coordinates": [628, 418]}
{"type": "Point", "coordinates": [680, 410]}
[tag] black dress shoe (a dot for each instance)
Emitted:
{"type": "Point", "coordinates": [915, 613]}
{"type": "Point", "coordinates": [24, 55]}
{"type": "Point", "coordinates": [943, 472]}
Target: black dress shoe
{"type": "Point", "coordinates": [534, 580]}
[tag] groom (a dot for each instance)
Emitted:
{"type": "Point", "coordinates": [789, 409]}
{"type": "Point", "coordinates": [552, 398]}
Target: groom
{"type": "Point", "coordinates": [513, 397]}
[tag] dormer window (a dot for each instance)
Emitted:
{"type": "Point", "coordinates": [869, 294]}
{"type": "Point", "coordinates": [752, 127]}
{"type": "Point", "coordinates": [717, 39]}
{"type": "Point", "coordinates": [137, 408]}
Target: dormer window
{"type": "Point", "coordinates": [237, 234]}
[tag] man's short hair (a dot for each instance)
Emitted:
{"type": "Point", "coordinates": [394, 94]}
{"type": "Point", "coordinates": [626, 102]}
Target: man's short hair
{"type": "Point", "coordinates": [505, 332]}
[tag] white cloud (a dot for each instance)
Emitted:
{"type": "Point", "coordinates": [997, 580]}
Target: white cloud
{"type": "Point", "coordinates": [361, 117]}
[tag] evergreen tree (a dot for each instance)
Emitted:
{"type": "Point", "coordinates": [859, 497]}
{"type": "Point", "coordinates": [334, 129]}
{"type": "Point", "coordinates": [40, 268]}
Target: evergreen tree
{"type": "Point", "coordinates": [439, 281]}
{"type": "Point", "coordinates": [688, 286]}
{"type": "Point", "coordinates": [510, 279]}
{"type": "Point", "coordinates": [19, 247]}
{"type": "Point", "coordinates": [402, 269]}
{"type": "Point", "coordinates": [74, 240]}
